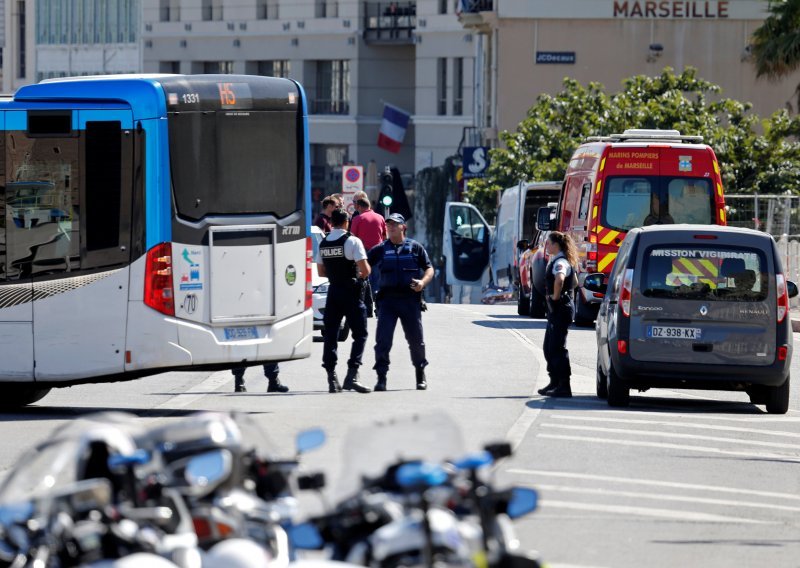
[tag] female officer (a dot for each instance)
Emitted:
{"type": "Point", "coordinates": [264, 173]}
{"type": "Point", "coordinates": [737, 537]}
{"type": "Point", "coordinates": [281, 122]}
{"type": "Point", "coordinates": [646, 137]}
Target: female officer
{"type": "Point", "coordinates": [559, 282]}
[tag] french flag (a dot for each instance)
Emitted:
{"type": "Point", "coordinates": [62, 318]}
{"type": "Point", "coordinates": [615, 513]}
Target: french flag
{"type": "Point", "coordinates": [393, 128]}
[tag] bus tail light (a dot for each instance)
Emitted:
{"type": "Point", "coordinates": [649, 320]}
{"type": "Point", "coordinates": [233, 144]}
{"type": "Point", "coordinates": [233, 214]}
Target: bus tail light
{"type": "Point", "coordinates": [783, 297]}
{"type": "Point", "coordinates": [309, 260]}
{"type": "Point", "coordinates": [158, 290]}
{"type": "Point", "coordinates": [626, 293]}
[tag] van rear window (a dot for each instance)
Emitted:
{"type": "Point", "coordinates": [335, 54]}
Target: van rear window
{"type": "Point", "coordinates": [705, 273]}
{"type": "Point", "coordinates": [656, 200]}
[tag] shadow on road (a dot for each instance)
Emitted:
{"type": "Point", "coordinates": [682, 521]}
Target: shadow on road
{"type": "Point", "coordinates": [650, 404]}
{"type": "Point", "coordinates": [507, 324]}
{"type": "Point", "coordinates": [39, 413]}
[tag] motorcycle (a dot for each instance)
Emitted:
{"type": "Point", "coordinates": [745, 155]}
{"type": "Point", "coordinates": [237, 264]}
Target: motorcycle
{"type": "Point", "coordinates": [411, 504]}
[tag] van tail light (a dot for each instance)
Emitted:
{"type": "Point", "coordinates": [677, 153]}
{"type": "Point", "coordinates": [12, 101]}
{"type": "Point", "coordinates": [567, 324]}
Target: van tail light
{"type": "Point", "coordinates": [158, 291]}
{"type": "Point", "coordinates": [783, 351]}
{"type": "Point", "coordinates": [783, 297]}
{"type": "Point", "coordinates": [626, 293]}
{"type": "Point", "coordinates": [309, 260]}
{"type": "Point", "coordinates": [622, 347]}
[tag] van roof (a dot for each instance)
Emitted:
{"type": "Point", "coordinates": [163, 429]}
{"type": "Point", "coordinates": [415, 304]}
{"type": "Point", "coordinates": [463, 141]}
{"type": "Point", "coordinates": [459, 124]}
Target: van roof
{"type": "Point", "coordinates": [712, 229]}
{"type": "Point", "coordinates": [649, 135]}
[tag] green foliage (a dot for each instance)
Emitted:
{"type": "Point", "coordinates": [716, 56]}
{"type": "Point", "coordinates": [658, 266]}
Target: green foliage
{"type": "Point", "coordinates": [776, 43]}
{"type": "Point", "coordinates": [755, 155]}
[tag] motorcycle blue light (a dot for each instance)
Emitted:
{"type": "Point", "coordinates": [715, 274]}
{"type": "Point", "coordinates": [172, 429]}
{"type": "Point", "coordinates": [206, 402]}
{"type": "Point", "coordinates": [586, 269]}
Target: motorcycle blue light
{"type": "Point", "coordinates": [420, 474]}
{"type": "Point", "coordinates": [474, 461]}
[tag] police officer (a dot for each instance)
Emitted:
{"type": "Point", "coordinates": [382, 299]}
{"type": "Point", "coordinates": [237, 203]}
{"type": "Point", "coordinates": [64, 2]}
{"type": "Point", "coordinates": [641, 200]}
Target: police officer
{"type": "Point", "coordinates": [343, 260]}
{"type": "Point", "coordinates": [405, 270]}
{"type": "Point", "coordinates": [559, 282]}
{"type": "Point", "coordinates": [271, 371]}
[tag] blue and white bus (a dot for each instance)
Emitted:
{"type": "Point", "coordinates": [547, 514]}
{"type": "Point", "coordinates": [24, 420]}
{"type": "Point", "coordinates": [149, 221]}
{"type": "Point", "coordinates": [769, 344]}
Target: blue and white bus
{"type": "Point", "coordinates": [151, 223]}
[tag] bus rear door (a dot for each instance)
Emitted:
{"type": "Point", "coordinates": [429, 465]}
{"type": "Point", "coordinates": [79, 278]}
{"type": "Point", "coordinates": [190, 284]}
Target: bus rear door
{"type": "Point", "coordinates": [81, 264]}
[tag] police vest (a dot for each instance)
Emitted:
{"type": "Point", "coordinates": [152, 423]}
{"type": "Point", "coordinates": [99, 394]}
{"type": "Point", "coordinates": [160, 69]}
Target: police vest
{"type": "Point", "coordinates": [399, 267]}
{"type": "Point", "coordinates": [340, 270]}
{"type": "Point", "coordinates": [550, 279]}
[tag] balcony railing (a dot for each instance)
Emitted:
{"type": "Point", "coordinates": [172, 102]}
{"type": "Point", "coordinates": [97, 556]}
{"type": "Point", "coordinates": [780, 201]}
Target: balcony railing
{"type": "Point", "coordinates": [390, 22]}
{"type": "Point", "coordinates": [474, 6]}
{"type": "Point", "coordinates": [330, 106]}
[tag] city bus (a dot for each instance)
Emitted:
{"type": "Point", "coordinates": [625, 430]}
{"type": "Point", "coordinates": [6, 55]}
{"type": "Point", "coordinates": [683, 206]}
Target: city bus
{"type": "Point", "coordinates": [151, 223]}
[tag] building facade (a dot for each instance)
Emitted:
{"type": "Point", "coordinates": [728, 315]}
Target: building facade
{"type": "Point", "coordinates": [530, 46]}
{"type": "Point", "coordinates": [351, 56]}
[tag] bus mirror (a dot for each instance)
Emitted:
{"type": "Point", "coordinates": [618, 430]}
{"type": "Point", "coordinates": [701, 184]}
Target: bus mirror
{"type": "Point", "coordinates": [543, 222]}
{"type": "Point", "coordinates": [594, 283]}
{"type": "Point", "coordinates": [791, 289]}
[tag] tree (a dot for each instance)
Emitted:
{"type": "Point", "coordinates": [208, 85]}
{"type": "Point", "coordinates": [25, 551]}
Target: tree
{"type": "Point", "coordinates": [755, 155]}
{"type": "Point", "coordinates": [776, 43]}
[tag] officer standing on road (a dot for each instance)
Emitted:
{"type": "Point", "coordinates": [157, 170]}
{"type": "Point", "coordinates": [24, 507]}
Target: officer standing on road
{"type": "Point", "coordinates": [405, 270]}
{"type": "Point", "coordinates": [559, 282]}
{"type": "Point", "coordinates": [343, 260]}
{"type": "Point", "coordinates": [271, 371]}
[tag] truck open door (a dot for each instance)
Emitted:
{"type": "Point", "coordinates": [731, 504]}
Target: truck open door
{"type": "Point", "coordinates": [465, 243]}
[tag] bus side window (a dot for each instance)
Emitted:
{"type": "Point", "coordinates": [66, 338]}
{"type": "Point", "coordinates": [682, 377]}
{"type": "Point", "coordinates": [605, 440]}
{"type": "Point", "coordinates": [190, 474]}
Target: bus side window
{"type": "Point", "coordinates": [3, 272]}
{"type": "Point", "coordinates": [585, 193]}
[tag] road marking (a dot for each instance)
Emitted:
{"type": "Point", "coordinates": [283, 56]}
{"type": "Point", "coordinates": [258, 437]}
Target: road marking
{"type": "Point", "coordinates": [657, 513]}
{"type": "Point", "coordinates": [677, 498]}
{"type": "Point", "coordinates": [705, 449]}
{"type": "Point", "coordinates": [529, 414]}
{"type": "Point", "coordinates": [198, 391]}
{"type": "Point", "coordinates": [653, 433]}
{"type": "Point", "coordinates": [655, 483]}
{"type": "Point", "coordinates": [679, 425]}
{"type": "Point", "coordinates": [682, 416]}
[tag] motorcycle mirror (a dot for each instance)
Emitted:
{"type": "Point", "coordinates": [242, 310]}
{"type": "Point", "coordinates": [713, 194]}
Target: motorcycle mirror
{"type": "Point", "coordinates": [309, 439]}
{"type": "Point", "coordinates": [311, 481]}
{"type": "Point", "coordinates": [523, 501]}
{"type": "Point", "coordinates": [305, 536]}
{"type": "Point", "coordinates": [499, 450]}
{"type": "Point", "coordinates": [205, 471]}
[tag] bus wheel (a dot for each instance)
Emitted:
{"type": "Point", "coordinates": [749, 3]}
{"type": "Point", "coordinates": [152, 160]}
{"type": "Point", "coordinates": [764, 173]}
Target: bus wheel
{"type": "Point", "coordinates": [15, 396]}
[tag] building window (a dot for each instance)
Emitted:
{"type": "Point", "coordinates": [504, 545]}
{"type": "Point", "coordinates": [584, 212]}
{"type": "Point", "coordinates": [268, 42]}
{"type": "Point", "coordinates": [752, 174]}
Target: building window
{"type": "Point", "coordinates": [211, 10]}
{"type": "Point", "coordinates": [169, 11]}
{"type": "Point", "coordinates": [169, 67]}
{"type": "Point", "coordinates": [280, 68]}
{"type": "Point", "coordinates": [441, 85]}
{"type": "Point", "coordinates": [218, 67]}
{"type": "Point", "coordinates": [458, 86]}
{"type": "Point", "coordinates": [262, 13]}
{"type": "Point", "coordinates": [21, 40]}
{"type": "Point", "coordinates": [326, 171]}
{"type": "Point", "coordinates": [326, 9]}
{"type": "Point", "coordinates": [443, 6]}
{"type": "Point", "coordinates": [333, 87]}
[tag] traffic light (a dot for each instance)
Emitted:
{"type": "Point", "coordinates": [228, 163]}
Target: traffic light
{"type": "Point", "coordinates": [387, 188]}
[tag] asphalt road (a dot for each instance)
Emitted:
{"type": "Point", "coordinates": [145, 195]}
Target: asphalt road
{"type": "Point", "coordinates": [681, 478]}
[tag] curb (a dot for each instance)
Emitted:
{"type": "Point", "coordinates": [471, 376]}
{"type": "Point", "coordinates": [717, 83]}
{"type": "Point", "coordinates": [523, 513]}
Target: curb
{"type": "Point", "coordinates": [795, 324]}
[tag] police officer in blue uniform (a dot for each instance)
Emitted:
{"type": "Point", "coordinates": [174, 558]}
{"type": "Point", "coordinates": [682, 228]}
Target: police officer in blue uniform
{"type": "Point", "coordinates": [343, 260]}
{"type": "Point", "coordinates": [559, 283]}
{"type": "Point", "coordinates": [405, 270]}
{"type": "Point", "coordinates": [271, 371]}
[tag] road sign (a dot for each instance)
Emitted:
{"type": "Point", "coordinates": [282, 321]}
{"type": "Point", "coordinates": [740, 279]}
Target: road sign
{"type": "Point", "coordinates": [352, 182]}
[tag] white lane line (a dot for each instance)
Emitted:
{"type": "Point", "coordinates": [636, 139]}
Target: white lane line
{"type": "Point", "coordinates": [197, 391]}
{"type": "Point", "coordinates": [529, 414]}
{"type": "Point", "coordinates": [656, 513]}
{"type": "Point", "coordinates": [656, 483]}
{"type": "Point", "coordinates": [661, 434]}
{"type": "Point", "coordinates": [672, 424]}
{"type": "Point", "coordinates": [701, 449]}
{"type": "Point", "coordinates": [695, 415]}
{"type": "Point", "coordinates": [676, 498]}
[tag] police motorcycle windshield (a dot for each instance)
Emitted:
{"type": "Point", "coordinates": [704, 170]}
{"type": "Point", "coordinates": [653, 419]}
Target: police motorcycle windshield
{"type": "Point", "coordinates": [73, 453]}
{"type": "Point", "coordinates": [370, 450]}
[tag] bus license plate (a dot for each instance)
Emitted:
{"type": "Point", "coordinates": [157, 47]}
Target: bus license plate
{"type": "Point", "coordinates": [658, 332]}
{"type": "Point", "coordinates": [241, 333]}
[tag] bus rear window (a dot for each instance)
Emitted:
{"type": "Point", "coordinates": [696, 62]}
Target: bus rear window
{"type": "Point", "coordinates": [236, 162]}
{"type": "Point", "coordinates": [700, 273]}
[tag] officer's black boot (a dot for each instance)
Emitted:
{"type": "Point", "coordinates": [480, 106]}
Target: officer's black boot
{"type": "Point", "coordinates": [563, 390]}
{"type": "Point", "coordinates": [274, 385]}
{"type": "Point", "coordinates": [549, 387]}
{"type": "Point", "coordinates": [351, 382]}
{"type": "Point", "coordinates": [238, 384]}
{"type": "Point", "coordinates": [421, 383]}
{"type": "Point", "coordinates": [333, 382]}
{"type": "Point", "coordinates": [381, 384]}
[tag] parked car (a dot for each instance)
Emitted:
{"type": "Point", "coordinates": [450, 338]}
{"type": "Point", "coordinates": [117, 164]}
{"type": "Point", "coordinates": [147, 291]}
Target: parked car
{"type": "Point", "coordinates": [319, 288]}
{"type": "Point", "coordinates": [697, 307]}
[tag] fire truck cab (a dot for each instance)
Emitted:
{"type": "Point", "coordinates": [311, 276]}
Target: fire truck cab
{"type": "Point", "coordinates": [637, 178]}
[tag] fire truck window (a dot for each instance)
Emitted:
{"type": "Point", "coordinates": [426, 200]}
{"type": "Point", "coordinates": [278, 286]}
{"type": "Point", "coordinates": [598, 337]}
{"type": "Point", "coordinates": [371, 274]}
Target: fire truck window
{"type": "Point", "coordinates": [627, 202]}
{"type": "Point", "coordinates": [690, 200]}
